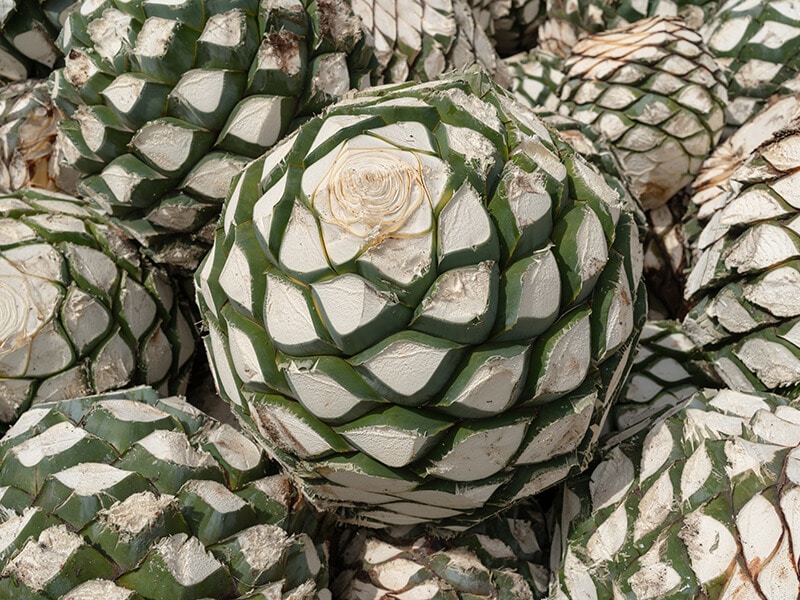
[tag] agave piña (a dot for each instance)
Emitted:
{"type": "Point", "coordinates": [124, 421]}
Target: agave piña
{"type": "Point", "coordinates": [423, 303]}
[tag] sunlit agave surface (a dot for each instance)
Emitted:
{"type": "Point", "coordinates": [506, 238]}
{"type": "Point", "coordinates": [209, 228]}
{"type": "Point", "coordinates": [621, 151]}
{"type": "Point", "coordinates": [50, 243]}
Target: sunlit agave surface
{"type": "Point", "coordinates": [423, 303]}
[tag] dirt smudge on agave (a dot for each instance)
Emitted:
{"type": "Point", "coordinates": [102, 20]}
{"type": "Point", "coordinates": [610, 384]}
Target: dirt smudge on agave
{"type": "Point", "coordinates": [278, 433]}
{"type": "Point", "coordinates": [79, 68]}
{"type": "Point", "coordinates": [338, 23]}
{"type": "Point", "coordinates": [283, 47]}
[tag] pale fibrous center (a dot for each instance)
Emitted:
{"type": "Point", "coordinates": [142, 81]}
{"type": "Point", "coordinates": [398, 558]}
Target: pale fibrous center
{"type": "Point", "coordinates": [373, 193]}
{"type": "Point", "coordinates": [20, 317]}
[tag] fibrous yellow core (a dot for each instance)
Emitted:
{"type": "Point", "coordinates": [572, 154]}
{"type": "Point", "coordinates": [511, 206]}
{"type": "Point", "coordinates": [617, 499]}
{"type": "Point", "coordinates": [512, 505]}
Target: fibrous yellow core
{"type": "Point", "coordinates": [372, 193]}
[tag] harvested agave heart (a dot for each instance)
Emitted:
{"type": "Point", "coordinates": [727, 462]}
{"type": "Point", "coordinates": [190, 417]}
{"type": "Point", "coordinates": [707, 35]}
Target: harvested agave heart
{"type": "Point", "coordinates": [130, 496]}
{"type": "Point", "coordinates": [569, 20]}
{"type": "Point", "coordinates": [744, 284]}
{"type": "Point", "coordinates": [628, 85]}
{"type": "Point", "coordinates": [423, 302]}
{"type": "Point", "coordinates": [419, 40]}
{"type": "Point", "coordinates": [81, 310]}
{"type": "Point", "coordinates": [655, 92]}
{"type": "Point", "coordinates": [701, 503]}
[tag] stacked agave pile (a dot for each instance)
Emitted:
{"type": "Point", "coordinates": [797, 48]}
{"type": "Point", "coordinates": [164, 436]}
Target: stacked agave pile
{"type": "Point", "coordinates": [167, 101]}
{"type": "Point", "coordinates": [423, 299]}
{"type": "Point", "coordinates": [668, 367]}
{"type": "Point", "coordinates": [654, 94]}
{"type": "Point", "coordinates": [512, 24]}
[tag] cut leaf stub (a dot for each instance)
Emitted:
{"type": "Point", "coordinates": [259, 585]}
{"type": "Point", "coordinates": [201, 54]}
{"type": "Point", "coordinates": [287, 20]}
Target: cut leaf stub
{"type": "Point", "coordinates": [81, 310]}
{"type": "Point", "coordinates": [426, 286]}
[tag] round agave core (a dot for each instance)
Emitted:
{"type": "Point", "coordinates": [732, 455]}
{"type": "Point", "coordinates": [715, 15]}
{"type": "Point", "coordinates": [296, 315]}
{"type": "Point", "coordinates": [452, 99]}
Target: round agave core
{"type": "Point", "coordinates": [81, 311]}
{"type": "Point", "coordinates": [655, 92]}
{"type": "Point", "coordinates": [423, 302]}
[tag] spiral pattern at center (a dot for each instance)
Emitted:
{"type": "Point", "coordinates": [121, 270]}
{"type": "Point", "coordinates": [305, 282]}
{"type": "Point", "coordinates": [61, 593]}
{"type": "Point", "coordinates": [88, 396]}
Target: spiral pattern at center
{"type": "Point", "coordinates": [371, 193]}
{"type": "Point", "coordinates": [13, 314]}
